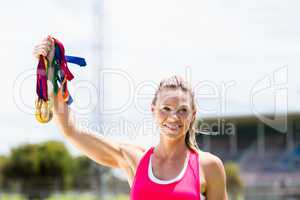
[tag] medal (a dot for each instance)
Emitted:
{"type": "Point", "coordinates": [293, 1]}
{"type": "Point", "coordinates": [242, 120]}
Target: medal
{"type": "Point", "coordinates": [43, 113]}
{"type": "Point", "coordinates": [58, 74]}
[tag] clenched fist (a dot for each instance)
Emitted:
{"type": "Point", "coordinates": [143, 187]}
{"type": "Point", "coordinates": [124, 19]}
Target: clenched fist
{"type": "Point", "coordinates": [45, 48]}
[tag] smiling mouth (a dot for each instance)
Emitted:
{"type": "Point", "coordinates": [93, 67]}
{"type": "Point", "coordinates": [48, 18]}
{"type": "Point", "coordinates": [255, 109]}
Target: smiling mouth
{"type": "Point", "coordinates": [172, 127]}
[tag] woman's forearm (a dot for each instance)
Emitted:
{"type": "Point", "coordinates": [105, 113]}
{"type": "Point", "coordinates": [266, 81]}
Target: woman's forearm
{"type": "Point", "coordinates": [63, 115]}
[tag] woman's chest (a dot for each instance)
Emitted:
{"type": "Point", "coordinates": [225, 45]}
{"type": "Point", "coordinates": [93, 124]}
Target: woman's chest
{"type": "Point", "coordinates": [172, 171]}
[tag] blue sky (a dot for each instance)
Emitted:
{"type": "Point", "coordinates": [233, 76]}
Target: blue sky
{"type": "Point", "coordinates": [247, 45]}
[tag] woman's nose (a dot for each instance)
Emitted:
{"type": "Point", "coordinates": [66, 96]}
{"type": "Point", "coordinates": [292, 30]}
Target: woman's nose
{"type": "Point", "coordinates": [173, 116]}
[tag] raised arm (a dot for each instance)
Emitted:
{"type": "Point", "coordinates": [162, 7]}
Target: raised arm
{"type": "Point", "coordinates": [102, 150]}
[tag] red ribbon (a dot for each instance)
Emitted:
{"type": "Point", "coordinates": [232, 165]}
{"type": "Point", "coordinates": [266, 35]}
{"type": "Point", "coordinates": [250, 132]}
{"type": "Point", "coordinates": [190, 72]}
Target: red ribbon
{"type": "Point", "coordinates": [63, 62]}
{"type": "Point", "coordinates": [41, 84]}
{"type": "Point", "coordinates": [41, 81]}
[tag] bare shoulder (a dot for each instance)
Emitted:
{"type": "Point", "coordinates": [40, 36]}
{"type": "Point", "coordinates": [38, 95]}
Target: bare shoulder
{"type": "Point", "coordinates": [131, 154]}
{"type": "Point", "coordinates": [211, 165]}
{"type": "Point", "coordinates": [209, 160]}
{"type": "Point", "coordinates": [214, 172]}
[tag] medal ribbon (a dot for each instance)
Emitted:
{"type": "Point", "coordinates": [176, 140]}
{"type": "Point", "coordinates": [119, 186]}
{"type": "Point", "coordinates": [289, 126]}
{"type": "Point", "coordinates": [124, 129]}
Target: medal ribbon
{"type": "Point", "coordinates": [60, 78]}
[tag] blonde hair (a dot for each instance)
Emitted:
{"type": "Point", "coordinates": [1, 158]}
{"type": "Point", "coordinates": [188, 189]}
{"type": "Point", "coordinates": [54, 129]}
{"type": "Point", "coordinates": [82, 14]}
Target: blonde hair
{"type": "Point", "coordinates": [177, 82]}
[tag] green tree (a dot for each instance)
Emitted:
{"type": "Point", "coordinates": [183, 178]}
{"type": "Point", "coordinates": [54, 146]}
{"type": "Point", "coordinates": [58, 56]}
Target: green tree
{"type": "Point", "coordinates": [89, 175]}
{"type": "Point", "coordinates": [3, 161]}
{"type": "Point", "coordinates": [40, 168]}
{"type": "Point", "coordinates": [55, 162]}
{"type": "Point", "coordinates": [82, 172]}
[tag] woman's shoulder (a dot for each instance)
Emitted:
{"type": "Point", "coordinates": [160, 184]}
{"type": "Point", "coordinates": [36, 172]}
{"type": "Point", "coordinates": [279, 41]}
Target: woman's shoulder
{"type": "Point", "coordinates": [132, 154]}
{"type": "Point", "coordinates": [210, 163]}
{"type": "Point", "coordinates": [208, 159]}
{"type": "Point", "coordinates": [212, 166]}
{"type": "Point", "coordinates": [139, 152]}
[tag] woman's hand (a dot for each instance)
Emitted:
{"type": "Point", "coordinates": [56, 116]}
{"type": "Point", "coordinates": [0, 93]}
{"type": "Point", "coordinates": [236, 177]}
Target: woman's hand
{"type": "Point", "coordinates": [45, 48]}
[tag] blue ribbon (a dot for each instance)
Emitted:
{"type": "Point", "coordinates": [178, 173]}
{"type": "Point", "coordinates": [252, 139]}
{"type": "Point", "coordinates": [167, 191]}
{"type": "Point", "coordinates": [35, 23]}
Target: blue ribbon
{"type": "Point", "coordinates": [76, 60]}
{"type": "Point", "coordinates": [70, 59]}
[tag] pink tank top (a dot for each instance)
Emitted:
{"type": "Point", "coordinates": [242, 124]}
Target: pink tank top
{"type": "Point", "coordinates": [185, 187]}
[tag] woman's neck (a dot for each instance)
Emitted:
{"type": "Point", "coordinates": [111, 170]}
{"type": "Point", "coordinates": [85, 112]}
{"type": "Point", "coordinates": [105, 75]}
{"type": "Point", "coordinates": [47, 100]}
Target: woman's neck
{"type": "Point", "coordinates": [170, 149]}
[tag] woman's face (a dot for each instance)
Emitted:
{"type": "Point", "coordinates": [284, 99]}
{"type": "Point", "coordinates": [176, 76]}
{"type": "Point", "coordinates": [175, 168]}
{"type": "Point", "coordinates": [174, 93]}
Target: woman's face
{"type": "Point", "coordinates": [173, 112]}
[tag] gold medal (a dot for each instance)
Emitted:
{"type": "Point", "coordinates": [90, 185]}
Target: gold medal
{"type": "Point", "coordinates": [43, 112]}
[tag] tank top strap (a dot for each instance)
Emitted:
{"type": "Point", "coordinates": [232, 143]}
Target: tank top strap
{"type": "Point", "coordinates": [143, 164]}
{"type": "Point", "coordinates": [194, 165]}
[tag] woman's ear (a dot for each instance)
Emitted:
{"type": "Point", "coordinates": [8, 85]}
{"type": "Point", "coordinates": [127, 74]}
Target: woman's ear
{"type": "Point", "coordinates": [152, 108]}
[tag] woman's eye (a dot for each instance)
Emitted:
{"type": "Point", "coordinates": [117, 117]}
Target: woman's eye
{"type": "Point", "coordinates": [183, 110]}
{"type": "Point", "coordinates": [166, 109]}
